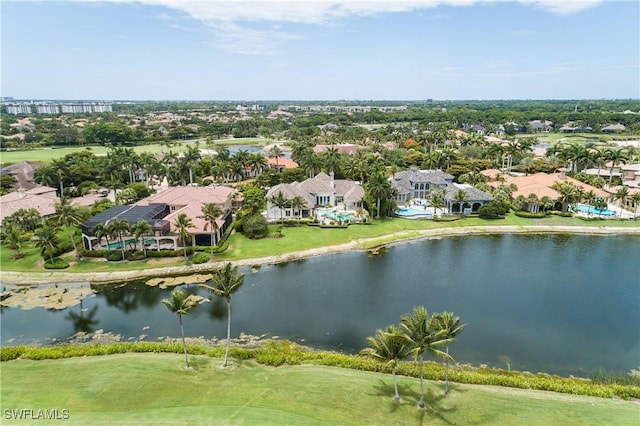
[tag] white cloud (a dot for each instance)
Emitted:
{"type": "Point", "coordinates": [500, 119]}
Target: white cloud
{"type": "Point", "coordinates": [323, 11]}
{"type": "Point", "coordinates": [230, 18]}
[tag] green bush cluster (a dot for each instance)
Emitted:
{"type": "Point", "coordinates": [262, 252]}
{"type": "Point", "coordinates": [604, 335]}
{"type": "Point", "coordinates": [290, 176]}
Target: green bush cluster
{"type": "Point", "coordinates": [57, 264]}
{"type": "Point", "coordinates": [199, 258]}
{"type": "Point", "coordinates": [522, 213]}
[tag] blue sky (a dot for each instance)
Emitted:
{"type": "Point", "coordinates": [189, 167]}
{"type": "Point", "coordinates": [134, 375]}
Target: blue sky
{"type": "Point", "coordinates": [320, 49]}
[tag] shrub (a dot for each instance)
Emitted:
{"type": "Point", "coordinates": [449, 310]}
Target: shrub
{"type": "Point", "coordinates": [57, 264]}
{"type": "Point", "coordinates": [255, 226]}
{"type": "Point", "coordinates": [200, 258]}
{"type": "Point", "coordinates": [530, 215]}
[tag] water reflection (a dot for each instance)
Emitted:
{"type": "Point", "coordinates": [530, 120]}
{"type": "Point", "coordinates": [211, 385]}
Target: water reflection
{"type": "Point", "coordinates": [557, 303]}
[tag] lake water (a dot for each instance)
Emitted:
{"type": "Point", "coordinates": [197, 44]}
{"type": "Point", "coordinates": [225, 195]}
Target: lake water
{"type": "Point", "coordinates": [556, 303]}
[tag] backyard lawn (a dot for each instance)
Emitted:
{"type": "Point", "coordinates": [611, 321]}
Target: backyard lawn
{"type": "Point", "coordinates": [156, 389]}
{"type": "Point", "coordinates": [301, 238]}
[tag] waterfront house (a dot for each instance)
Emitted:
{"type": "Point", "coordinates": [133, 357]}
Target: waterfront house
{"type": "Point", "coordinates": [160, 211]}
{"type": "Point", "coordinates": [320, 191]}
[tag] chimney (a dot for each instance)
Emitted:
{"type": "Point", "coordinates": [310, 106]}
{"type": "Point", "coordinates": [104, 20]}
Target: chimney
{"type": "Point", "coordinates": [332, 183]}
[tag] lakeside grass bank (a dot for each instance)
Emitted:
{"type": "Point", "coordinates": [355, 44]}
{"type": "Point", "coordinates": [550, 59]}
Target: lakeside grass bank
{"type": "Point", "coordinates": [298, 243]}
{"type": "Point", "coordinates": [156, 388]}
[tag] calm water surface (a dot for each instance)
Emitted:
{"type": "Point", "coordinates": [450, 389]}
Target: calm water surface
{"type": "Point", "coordinates": [556, 303]}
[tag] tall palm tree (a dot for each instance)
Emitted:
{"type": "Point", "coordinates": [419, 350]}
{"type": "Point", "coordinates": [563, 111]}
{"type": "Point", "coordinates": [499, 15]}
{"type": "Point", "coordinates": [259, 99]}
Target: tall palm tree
{"type": "Point", "coordinates": [117, 228]}
{"type": "Point", "coordinates": [452, 327]}
{"type": "Point", "coordinates": [189, 158]}
{"type": "Point", "coordinates": [47, 241]}
{"type": "Point", "coordinates": [461, 197]}
{"type": "Point", "coordinates": [101, 231]}
{"type": "Point", "coordinates": [636, 204]}
{"type": "Point", "coordinates": [298, 204]}
{"type": "Point", "coordinates": [436, 200]}
{"type": "Point", "coordinates": [280, 201]}
{"type": "Point", "coordinates": [210, 213]}
{"type": "Point", "coordinates": [622, 194]}
{"type": "Point", "coordinates": [67, 215]}
{"type": "Point", "coordinates": [616, 156]}
{"type": "Point", "coordinates": [181, 304]}
{"type": "Point", "coordinates": [225, 282]}
{"type": "Point", "coordinates": [389, 345]}
{"type": "Point", "coordinates": [590, 197]}
{"type": "Point", "coordinates": [182, 224]}
{"type": "Point", "coordinates": [139, 230]}
{"type": "Point", "coordinates": [424, 334]}
{"type": "Point", "coordinates": [378, 188]}
{"type": "Point", "coordinates": [275, 152]}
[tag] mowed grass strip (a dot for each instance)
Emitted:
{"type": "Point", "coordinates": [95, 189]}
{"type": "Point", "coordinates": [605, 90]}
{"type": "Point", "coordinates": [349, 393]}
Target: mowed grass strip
{"type": "Point", "coordinates": [157, 389]}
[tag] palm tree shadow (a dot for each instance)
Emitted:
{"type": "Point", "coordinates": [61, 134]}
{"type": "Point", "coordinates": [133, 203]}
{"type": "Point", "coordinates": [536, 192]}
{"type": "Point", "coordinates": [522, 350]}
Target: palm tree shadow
{"type": "Point", "coordinates": [199, 363]}
{"type": "Point", "coordinates": [409, 393]}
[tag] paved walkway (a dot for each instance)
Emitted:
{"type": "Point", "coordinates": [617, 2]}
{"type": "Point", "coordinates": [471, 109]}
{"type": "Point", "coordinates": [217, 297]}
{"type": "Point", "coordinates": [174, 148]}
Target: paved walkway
{"type": "Point", "coordinates": [59, 277]}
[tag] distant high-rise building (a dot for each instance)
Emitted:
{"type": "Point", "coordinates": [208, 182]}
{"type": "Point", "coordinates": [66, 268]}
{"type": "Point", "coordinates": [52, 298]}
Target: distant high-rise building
{"type": "Point", "coordinates": [48, 108]}
{"type": "Point", "coordinates": [22, 108]}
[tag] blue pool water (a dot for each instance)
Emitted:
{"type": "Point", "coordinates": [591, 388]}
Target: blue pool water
{"type": "Point", "coordinates": [589, 209]}
{"type": "Point", "coordinates": [336, 215]}
{"type": "Point", "coordinates": [413, 212]}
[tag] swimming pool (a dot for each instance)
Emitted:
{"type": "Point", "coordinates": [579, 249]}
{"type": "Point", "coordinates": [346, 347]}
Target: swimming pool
{"type": "Point", "coordinates": [337, 215]}
{"type": "Point", "coordinates": [411, 212]}
{"type": "Point", "coordinates": [590, 209]}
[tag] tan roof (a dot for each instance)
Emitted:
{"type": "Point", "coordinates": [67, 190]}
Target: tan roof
{"type": "Point", "coordinates": [180, 196]}
{"type": "Point", "coordinates": [539, 184]}
{"type": "Point", "coordinates": [193, 212]}
{"type": "Point", "coordinates": [43, 202]}
{"type": "Point", "coordinates": [282, 162]}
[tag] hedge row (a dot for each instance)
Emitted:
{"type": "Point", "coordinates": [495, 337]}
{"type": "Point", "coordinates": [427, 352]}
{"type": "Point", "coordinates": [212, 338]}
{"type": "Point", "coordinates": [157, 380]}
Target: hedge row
{"type": "Point", "coordinates": [276, 353]}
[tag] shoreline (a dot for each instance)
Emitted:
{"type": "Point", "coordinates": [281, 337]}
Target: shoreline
{"type": "Point", "coordinates": [21, 278]}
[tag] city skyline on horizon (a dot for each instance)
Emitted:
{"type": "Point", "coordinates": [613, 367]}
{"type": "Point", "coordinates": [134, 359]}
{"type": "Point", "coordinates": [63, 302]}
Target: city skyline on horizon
{"type": "Point", "coordinates": [320, 50]}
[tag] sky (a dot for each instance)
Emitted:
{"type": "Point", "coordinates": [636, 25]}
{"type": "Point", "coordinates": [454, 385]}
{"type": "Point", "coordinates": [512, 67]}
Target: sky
{"type": "Point", "coordinates": [367, 50]}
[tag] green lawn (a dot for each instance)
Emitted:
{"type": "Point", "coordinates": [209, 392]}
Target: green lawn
{"type": "Point", "coordinates": [299, 239]}
{"type": "Point", "coordinates": [157, 389]}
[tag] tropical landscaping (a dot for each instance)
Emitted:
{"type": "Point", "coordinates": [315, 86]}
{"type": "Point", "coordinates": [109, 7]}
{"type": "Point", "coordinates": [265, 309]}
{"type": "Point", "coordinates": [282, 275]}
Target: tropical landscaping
{"type": "Point", "coordinates": [309, 386]}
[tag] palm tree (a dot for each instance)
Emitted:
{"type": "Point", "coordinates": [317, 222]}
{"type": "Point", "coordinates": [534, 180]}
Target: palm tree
{"type": "Point", "coordinates": [424, 334]}
{"type": "Point", "coordinates": [101, 231]}
{"type": "Point", "coordinates": [180, 304]}
{"type": "Point", "coordinates": [635, 198]}
{"type": "Point", "coordinates": [452, 327]}
{"type": "Point", "coordinates": [139, 230]}
{"type": "Point", "coordinates": [117, 228]}
{"type": "Point", "coordinates": [622, 194]}
{"type": "Point", "coordinates": [461, 197]}
{"type": "Point", "coordinates": [210, 213]}
{"type": "Point", "coordinates": [189, 158]}
{"type": "Point", "coordinates": [378, 187]}
{"type": "Point", "coordinates": [436, 200]}
{"type": "Point", "coordinates": [47, 241]}
{"type": "Point", "coordinates": [14, 236]}
{"type": "Point", "coordinates": [280, 201]}
{"type": "Point", "coordinates": [225, 282]}
{"type": "Point", "coordinates": [590, 197]}
{"type": "Point", "coordinates": [182, 224]}
{"type": "Point", "coordinates": [298, 204]}
{"type": "Point", "coordinates": [389, 345]}
{"type": "Point", "coordinates": [275, 152]}
{"type": "Point", "coordinates": [68, 215]}
{"type": "Point", "coordinates": [616, 156]}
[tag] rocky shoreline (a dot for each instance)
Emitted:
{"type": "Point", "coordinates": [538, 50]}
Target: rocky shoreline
{"type": "Point", "coordinates": [59, 277]}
